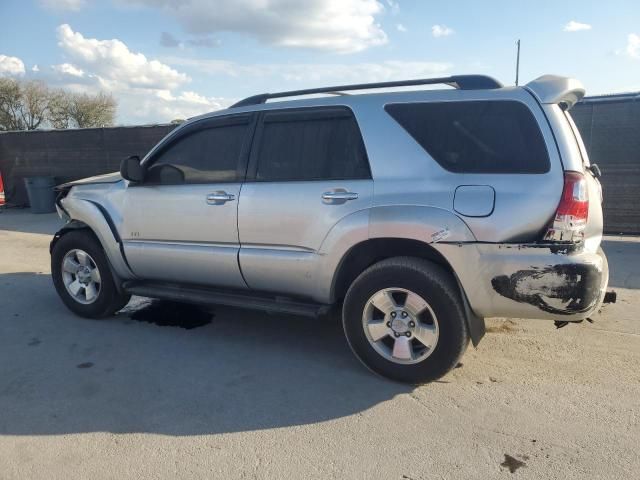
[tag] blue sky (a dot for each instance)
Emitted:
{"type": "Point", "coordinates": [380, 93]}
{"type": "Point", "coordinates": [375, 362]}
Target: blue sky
{"type": "Point", "coordinates": [164, 59]}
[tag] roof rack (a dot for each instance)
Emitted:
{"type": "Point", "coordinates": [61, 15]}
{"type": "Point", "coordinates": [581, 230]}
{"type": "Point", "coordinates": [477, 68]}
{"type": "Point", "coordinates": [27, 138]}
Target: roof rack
{"type": "Point", "coordinates": [461, 82]}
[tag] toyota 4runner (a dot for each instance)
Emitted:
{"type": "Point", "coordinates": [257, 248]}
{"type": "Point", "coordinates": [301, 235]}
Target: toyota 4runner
{"type": "Point", "coordinates": [419, 213]}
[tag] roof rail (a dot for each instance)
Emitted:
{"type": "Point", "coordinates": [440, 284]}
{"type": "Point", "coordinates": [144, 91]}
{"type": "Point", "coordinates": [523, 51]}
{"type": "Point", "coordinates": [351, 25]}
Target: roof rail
{"type": "Point", "coordinates": [462, 82]}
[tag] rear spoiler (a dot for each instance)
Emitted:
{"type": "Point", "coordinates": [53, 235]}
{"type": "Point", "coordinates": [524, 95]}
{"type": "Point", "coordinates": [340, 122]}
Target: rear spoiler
{"type": "Point", "coordinates": [564, 91]}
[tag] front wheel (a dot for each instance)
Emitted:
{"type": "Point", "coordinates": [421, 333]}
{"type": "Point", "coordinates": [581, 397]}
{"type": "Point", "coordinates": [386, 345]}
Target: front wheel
{"type": "Point", "coordinates": [404, 319]}
{"type": "Point", "coordinates": [82, 277]}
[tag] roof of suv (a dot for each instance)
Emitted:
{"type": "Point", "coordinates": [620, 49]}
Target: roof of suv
{"type": "Point", "coordinates": [547, 89]}
{"type": "Point", "coordinates": [461, 82]}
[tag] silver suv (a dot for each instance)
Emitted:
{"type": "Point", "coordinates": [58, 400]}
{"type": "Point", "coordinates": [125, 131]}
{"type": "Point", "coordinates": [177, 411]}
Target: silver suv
{"type": "Point", "coordinates": [419, 213]}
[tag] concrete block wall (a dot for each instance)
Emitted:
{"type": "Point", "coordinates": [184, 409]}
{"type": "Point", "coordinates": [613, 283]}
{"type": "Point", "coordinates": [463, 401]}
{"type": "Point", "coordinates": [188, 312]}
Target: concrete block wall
{"type": "Point", "coordinates": [610, 128]}
{"type": "Point", "coordinates": [609, 125]}
{"type": "Point", "coordinates": [70, 154]}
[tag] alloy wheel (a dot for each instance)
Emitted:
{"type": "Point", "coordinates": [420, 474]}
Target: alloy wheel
{"type": "Point", "coordinates": [81, 276]}
{"type": "Point", "coordinates": [400, 325]}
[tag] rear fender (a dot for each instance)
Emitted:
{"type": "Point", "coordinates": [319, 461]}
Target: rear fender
{"type": "Point", "coordinates": [429, 225]}
{"type": "Point", "coordinates": [423, 223]}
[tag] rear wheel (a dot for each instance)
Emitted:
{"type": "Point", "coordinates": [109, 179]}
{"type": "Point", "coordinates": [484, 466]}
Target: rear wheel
{"type": "Point", "coordinates": [82, 277]}
{"type": "Point", "coordinates": [404, 320]}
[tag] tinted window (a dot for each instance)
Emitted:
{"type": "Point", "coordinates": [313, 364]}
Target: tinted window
{"type": "Point", "coordinates": [311, 146]}
{"type": "Point", "coordinates": [206, 155]}
{"type": "Point", "coordinates": [476, 137]}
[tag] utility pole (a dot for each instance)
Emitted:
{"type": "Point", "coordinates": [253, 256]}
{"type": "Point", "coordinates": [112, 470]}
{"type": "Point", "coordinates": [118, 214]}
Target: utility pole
{"type": "Point", "coordinates": [518, 62]}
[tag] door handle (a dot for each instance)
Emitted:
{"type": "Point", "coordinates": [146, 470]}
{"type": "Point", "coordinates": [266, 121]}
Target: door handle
{"type": "Point", "coordinates": [343, 196]}
{"type": "Point", "coordinates": [218, 198]}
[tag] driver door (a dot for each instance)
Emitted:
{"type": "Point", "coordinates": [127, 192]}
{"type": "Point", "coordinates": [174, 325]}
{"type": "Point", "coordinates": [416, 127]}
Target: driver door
{"type": "Point", "coordinates": [181, 223]}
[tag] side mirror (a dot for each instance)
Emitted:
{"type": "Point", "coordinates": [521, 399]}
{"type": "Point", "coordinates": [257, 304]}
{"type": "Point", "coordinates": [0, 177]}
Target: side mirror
{"type": "Point", "coordinates": [131, 170]}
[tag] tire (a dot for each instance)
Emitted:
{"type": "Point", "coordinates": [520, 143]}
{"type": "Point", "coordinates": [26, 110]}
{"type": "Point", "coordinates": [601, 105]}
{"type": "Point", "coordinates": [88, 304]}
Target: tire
{"type": "Point", "coordinates": [104, 299]}
{"type": "Point", "coordinates": [440, 324]}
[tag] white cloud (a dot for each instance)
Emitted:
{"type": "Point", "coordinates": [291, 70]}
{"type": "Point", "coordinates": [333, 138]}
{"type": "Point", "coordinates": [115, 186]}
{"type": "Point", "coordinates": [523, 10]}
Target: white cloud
{"type": "Point", "coordinates": [147, 91]}
{"type": "Point", "coordinates": [68, 69]}
{"type": "Point", "coordinates": [11, 65]}
{"type": "Point", "coordinates": [196, 98]}
{"type": "Point", "coordinates": [342, 26]}
{"type": "Point", "coordinates": [633, 45]}
{"type": "Point", "coordinates": [401, 28]}
{"type": "Point", "coordinates": [316, 74]}
{"type": "Point", "coordinates": [35, 68]}
{"type": "Point", "coordinates": [163, 106]}
{"type": "Point", "coordinates": [441, 31]}
{"type": "Point", "coordinates": [72, 5]}
{"type": "Point", "coordinates": [574, 26]}
{"type": "Point", "coordinates": [115, 64]}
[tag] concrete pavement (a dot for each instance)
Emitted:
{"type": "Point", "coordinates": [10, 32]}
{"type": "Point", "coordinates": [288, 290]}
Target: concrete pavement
{"type": "Point", "coordinates": [250, 395]}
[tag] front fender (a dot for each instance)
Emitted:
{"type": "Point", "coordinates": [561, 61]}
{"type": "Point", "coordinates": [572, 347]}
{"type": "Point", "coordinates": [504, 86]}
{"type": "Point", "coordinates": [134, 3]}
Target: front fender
{"type": "Point", "coordinates": [99, 221]}
{"type": "Point", "coordinates": [70, 225]}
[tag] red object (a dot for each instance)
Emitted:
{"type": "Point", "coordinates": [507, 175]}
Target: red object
{"type": "Point", "coordinates": [1, 191]}
{"type": "Point", "coordinates": [571, 216]}
{"type": "Point", "coordinates": [574, 201]}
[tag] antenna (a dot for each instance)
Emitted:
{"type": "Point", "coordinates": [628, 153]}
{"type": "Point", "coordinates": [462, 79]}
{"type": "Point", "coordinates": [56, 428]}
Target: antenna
{"type": "Point", "coordinates": [518, 62]}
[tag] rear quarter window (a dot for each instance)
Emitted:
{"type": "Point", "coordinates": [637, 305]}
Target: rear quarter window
{"type": "Point", "coordinates": [476, 136]}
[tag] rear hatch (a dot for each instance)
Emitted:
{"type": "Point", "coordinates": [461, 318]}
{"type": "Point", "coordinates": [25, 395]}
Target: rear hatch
{"type": "Point", "coordinates": [579, 214]}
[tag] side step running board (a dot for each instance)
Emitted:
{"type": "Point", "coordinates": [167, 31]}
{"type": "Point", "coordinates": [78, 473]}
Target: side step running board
{"type": "Point", "coordinates": [210, 296]}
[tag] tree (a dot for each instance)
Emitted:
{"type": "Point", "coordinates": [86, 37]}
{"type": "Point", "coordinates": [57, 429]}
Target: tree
{"type": "Point", "coordinates": [59, 110]}
{"type": "Point", "coordinates": [92, 110]}
{"type": "Point", "coordinates": [10, 105]}
{"type": "Point", "coordinates": [73, 110]}
{"type": "Point", "coordinates": [35, 104]}
{"type": "Point", "coordinates": [23, 105]}
{"type": "Point", "coordinates": [31, 104]}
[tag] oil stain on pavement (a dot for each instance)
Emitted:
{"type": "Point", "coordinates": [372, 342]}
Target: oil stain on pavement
{"type": "Point", "coordinates": [171, 314]}
{"type": "Point", "coordinates": [513, 463]}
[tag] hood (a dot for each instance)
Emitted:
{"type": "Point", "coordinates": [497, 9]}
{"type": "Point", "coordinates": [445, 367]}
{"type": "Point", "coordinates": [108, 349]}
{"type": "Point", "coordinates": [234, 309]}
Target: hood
{"type": "Point", "coordinates": [106, 178]}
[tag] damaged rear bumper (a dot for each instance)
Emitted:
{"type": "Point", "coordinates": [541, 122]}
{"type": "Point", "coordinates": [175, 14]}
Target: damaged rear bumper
{"type": "Point", "coordinates": [531, 280]}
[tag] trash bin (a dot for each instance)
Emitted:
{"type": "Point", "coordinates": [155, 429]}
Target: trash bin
{"type": "Point", "coordinates": [42, 198]}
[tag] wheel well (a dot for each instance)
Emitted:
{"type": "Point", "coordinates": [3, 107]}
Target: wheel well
{"type": "Point", "coordinates": [366, 253]}
{"type": "Point", "coordinates": [75, 225]}
{"type": "Point", "coordinates": [69, 227]}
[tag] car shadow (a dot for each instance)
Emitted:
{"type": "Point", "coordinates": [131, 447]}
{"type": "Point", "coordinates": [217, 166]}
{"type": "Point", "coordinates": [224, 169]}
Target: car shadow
{"type": "Point", "coordinates": [233, 370]}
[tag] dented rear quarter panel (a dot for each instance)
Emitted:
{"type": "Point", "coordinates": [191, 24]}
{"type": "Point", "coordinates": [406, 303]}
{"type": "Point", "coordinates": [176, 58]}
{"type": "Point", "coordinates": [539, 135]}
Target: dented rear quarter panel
{"type": "Point", "coordinates": [534, 281]}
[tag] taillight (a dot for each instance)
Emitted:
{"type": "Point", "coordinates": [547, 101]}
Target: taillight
{"type": "Point", "coordinates": [572, 212]}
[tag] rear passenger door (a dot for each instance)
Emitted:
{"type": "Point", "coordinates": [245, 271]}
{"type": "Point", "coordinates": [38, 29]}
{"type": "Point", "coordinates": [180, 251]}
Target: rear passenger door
{"type": "Point", "coordinates": [308, 170]}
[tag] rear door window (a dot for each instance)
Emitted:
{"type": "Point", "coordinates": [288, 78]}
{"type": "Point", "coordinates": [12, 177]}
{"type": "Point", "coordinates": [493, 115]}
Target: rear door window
{"type": "Point", "coordinates": [476, 136]}
{"type": "Point", "coordinates": [310, 144]}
